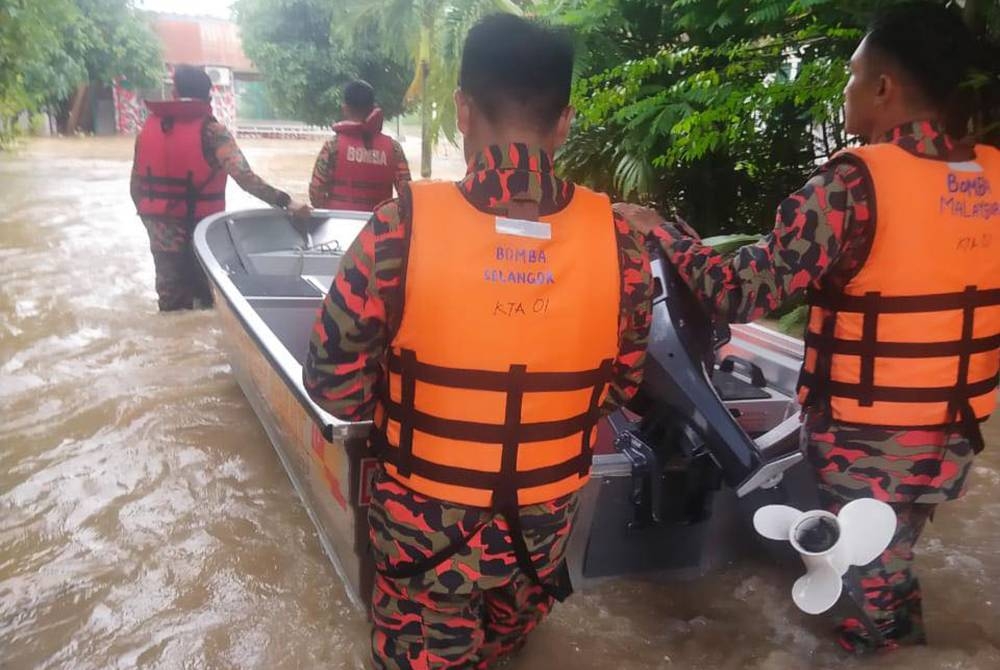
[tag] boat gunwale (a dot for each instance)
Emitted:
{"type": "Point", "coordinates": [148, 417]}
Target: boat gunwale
{"type": "Point", "coordinates": [274, 351]}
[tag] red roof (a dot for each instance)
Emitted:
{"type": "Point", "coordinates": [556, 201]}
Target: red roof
{"type": "Point", "coordinates": [201, 41]}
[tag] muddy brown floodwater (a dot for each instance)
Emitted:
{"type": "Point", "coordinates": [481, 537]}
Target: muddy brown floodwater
{"type": "Point", "coordinates": [145, 521]}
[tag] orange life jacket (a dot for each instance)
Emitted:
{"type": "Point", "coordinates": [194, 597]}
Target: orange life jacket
{"type": "Point", "coordinates": [913, 339]}
{"type": "Point", "coordinates": [504, 351]}
{"type": "Point", "coordinates": [174, 177]}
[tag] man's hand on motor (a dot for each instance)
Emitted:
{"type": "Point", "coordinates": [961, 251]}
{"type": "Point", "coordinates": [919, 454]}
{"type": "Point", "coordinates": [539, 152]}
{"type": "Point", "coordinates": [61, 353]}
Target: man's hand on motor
{"type": "Point", "coordinates": [646, 220]}
{"type": "Point", "coordinates": [639, 218]}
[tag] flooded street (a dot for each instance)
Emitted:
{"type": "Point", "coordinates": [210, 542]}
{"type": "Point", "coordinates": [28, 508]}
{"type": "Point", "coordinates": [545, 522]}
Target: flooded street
{"type": "Point", "coordinates": [145, 520]}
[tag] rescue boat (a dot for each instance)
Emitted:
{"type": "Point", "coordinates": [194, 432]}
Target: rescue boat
{"type": "Point", "coordinates": [713, 435]}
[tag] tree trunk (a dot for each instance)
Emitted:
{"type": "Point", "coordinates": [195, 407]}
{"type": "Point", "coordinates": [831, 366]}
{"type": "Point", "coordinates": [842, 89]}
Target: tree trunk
{"type": "Point", "coordinates": [5, 136]}
{"type": "Point", "coordinates": [426, 145]}
{"type": "Point", "coordinates": [77, 108]}
{"type": "Point", "coordinates": [428, 17]}
{"type": "Point", "coordinates": [975, 16]}
{"type": "Point", "coordinates": [975, 103]}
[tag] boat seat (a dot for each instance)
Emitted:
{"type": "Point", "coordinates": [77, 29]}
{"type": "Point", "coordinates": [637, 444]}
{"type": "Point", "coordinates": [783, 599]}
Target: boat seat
{"type": "Point", "coordinates": [274, 286]}
{"type": "Point", "coordinates": [730, 387]}
{"type": "Point", "coordinates": [288, 262]}
{"type": "Point", "coordinates": [322, 282]}
{"type": "Point", "coordinates": [291, 320]}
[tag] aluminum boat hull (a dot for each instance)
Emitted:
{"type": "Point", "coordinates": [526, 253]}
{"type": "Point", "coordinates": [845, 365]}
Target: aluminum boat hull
{"type": "Point", "coordinates": [268, 276]}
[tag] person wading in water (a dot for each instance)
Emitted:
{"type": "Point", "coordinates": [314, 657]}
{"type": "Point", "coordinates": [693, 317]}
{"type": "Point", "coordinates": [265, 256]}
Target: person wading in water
{"type": "Point", "coordinates": [357, 169]}
{"type": "Point", "coordinates": [183, 157]}
{"type": "Point", "coordinates": [894, 245]}
{"type": "Point", "coordinates": [485, 325]}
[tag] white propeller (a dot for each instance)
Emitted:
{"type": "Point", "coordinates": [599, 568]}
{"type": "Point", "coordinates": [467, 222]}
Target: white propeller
{"type": "Point", "coordinates": [828, 544]}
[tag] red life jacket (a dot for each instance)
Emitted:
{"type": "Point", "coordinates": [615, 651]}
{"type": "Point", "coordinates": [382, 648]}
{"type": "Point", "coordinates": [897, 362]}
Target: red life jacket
{"type": "Point", "coordinates": [174, 177]}
{"type": "Point", "coordinates": [363, 174]}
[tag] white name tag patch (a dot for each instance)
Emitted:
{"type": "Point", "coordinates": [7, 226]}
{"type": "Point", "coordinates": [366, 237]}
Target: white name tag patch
{"type": "Point", "coordinates": [522, 228]}
{"type": "Point", "coordinates": [967, 166]}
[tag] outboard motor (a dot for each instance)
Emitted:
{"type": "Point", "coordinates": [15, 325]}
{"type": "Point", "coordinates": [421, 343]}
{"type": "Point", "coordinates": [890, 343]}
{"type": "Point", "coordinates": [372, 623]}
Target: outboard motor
{"type": "Point", "coordinates": [687, 440]}
{"type": "Point", "coordinates": [683, 443]}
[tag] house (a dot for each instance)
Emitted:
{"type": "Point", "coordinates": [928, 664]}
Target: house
{"type": "Point", "coordinates": [209, 42]}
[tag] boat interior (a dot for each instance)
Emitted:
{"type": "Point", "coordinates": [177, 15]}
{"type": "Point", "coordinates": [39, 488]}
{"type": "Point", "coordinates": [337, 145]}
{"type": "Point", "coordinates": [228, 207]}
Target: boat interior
{"type": "Point", "coordinates": [283, 268]}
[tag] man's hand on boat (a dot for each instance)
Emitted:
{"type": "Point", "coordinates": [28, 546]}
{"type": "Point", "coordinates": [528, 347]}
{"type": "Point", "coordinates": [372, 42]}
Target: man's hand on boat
{"type": "Point", "coordinates": [298, 210]}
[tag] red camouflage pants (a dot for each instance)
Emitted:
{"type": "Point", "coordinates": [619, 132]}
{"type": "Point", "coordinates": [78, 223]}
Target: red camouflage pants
{"type": "Point", "coordinates": [912, 470]}
{"type": "Point", "coordinates": [477, 606]}
{"type": "Point", "coordinates": [180, 280]}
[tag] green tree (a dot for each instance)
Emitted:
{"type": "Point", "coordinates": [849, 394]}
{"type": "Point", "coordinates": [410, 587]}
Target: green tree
{"type": "Point", "coordinates": [718, 107]}
{"type": "Point", "coordinates": [30, 40]}
{"type": "Point", "coordinates": [49, 49]}
{"type": "Point", "coordinates": [305, 66]}
{"type": "Point", "coordinates": [113, 40]}
{"type": "Point", "coordinates": [429, 35]}
{"type": "Point", "coordinates": [107, 40]}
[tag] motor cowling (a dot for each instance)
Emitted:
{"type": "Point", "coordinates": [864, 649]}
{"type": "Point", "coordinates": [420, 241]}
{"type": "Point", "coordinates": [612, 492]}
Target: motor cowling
{"type": "Point", "coordinates": [686, 442]}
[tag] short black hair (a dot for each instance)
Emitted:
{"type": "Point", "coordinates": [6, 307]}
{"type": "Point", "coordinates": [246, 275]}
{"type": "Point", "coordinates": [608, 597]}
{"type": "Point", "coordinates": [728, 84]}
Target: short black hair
{"type": "Point", "coordinates": [930, 43]}
{"type": "Point", "coordinates": [359, 96]}
{"type": "Point", "coordinates": [514, 67]}
{"type": "Point", "coordinates": [192, 82]}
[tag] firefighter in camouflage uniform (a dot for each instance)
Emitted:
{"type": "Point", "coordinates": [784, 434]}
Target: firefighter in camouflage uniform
{"type": "Point", "coordinates": [485, 326]}
{"type": "Point", "coordinates": [357, 169]}
{"type": "Point", "coordinates": [894, 245]}
{"type": "Point", "coordinates": [183, 157]}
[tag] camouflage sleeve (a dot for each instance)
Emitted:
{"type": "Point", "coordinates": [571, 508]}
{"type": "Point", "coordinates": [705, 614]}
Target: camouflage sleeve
{"type": "Point", "coordinates": [402, 166]}
{"type": "Point", "coordinates": [821, 227]}
{"type": "Point", "coordinates": [319, 185]}
{"type": "Point", "coordinates": [634, 319]}
{"type": "Point", "coordinates": [222, 152]}
{"type": "Point", "coordinates": [348, 344]}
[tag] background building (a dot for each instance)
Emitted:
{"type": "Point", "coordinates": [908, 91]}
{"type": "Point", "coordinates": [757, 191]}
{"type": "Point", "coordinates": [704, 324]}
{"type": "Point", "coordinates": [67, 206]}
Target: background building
{"type": "Point", "coordinates": [238, 94]}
